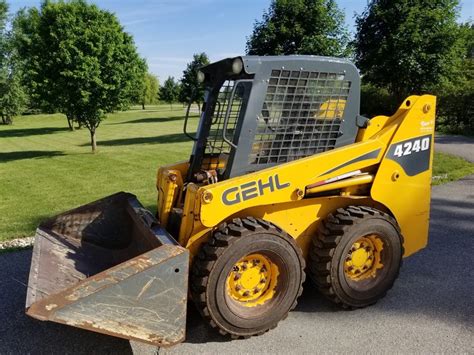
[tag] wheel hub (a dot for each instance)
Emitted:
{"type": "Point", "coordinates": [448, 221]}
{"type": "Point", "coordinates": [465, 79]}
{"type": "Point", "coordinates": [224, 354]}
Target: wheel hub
{"type": "Point", "coordinates": [252, 280]}
{"type": "Point", "coordinates": [364, 258]}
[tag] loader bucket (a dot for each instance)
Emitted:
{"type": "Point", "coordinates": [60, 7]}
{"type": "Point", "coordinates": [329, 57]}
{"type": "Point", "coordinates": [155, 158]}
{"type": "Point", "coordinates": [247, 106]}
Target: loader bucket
{"type": "Point", "coordinates": [109, 267]}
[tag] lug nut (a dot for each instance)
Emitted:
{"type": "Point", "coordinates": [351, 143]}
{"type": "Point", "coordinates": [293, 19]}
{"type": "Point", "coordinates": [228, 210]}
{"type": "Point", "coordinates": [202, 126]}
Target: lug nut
{"type": "Point", "coordinates": [235, 268]}
{"type": "Point", "coordinates": [256, 290]}
{"type": "Point", "coordinates": [263, 269]}
{"type": "Point", "coordinates": [238, 288]}
{"type": "Point", "coordinates": [237, 277]}
{"type": "Point", "coordinates": [246, 293]}
{"type": "Point", "coordinates": [262, 281]}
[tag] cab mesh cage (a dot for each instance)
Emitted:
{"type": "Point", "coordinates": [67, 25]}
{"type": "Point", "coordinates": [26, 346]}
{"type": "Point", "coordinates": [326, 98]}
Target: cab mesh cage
{"type": "Point", "coordinates": [215, 144]}
{"type": "Point", "coordinates": [301, 115]}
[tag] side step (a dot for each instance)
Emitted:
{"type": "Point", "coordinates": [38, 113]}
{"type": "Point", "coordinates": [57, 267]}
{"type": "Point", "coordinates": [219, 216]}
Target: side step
{"type": "Point", "coordinates": [109, 267]}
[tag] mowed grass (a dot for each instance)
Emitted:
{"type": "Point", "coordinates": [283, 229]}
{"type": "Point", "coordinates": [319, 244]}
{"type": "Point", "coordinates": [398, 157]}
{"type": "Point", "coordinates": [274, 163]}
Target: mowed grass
{"type": "Point", "coordinates": [46, 169]}
{"type": "Point", "coordinates": [449, 167]}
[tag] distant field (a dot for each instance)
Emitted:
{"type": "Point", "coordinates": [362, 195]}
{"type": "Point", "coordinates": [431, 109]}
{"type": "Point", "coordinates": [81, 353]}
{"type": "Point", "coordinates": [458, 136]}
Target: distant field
{"type": "Point", "coordinates": [46, 169]}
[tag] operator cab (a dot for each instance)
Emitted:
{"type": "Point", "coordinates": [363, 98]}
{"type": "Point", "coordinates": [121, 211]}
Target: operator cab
{"type": "Point", "coordinates": [264, 111]}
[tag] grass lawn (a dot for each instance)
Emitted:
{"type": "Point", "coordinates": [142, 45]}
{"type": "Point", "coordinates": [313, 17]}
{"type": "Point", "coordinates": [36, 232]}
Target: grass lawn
{"type": "Point", "coordinates": [449, 167]}
{"type": "Point", "coordinates": [46, 169]}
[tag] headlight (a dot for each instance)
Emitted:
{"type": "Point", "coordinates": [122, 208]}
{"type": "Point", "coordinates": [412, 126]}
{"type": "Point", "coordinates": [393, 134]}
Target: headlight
{"type": "Point", "coordinates": [200, 76]}
{"type": "Point", "coordinates": [237, 66]}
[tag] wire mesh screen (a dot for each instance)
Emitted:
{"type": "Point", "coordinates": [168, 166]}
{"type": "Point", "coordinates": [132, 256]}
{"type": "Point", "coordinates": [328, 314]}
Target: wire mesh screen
{"type": "Point", "coordinates": [302, 115]}
{"type": "Point", "coordinates": [225, 104]}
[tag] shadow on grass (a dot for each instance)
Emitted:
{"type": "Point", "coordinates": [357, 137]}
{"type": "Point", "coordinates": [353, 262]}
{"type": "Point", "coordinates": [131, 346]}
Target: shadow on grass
{"type": "Point", "coordinates": [166, 138]}
{"type": "Point", "coordinates": [25, 132]}
{"type": "Point", "coordinates": [155, 120]}
{"type": "Point", "coordinates": [28, 154]}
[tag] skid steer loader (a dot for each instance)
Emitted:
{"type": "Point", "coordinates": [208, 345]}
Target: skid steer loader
{"type": "Point", "coordinates": [285, 179]}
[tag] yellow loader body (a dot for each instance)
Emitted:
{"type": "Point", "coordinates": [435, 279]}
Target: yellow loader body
{"type": "Point", "coordinates": [391, 186]}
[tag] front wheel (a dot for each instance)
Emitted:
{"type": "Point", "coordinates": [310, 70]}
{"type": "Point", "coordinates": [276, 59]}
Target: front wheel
{"type": "Point", "coordinates": [247, 277]}
{"type": "Point", "coordinates": [356, 256]}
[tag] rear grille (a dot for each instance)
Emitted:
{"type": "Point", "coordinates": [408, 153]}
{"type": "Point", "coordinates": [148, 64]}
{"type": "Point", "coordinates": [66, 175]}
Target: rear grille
{"type": "Point", "coordinates": [301, 115]}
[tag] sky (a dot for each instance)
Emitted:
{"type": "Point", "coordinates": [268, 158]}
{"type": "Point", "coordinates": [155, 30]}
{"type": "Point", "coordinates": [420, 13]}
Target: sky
{"type": "Point", "coordinates": [168, 32]}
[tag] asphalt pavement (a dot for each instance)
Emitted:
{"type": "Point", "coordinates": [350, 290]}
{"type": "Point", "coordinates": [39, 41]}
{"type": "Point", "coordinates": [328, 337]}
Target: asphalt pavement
{"type": "Point", "coordinates": [429, 310]}
{"type": "Point", "coordinates": [456, 145]}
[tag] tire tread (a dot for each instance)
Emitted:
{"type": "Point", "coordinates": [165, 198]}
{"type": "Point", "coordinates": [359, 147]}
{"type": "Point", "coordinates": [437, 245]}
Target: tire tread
{"type": "Point", "coordinates": [225, 235]}
{"type": "Point", "coordinates": [324, 246]}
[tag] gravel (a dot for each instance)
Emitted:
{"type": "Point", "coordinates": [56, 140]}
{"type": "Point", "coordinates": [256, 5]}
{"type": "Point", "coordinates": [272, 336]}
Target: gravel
{"type": "Point", "coordinates": [19, 243]}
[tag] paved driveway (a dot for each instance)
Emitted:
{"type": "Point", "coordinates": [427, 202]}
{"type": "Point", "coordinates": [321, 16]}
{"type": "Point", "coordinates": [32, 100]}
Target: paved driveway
{"type": "Point", "coordinates": [430, 308]}
{"type": "Point", "coordinates": [457, 145]}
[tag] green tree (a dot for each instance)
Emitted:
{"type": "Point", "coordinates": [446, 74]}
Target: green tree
{"type": "Point", "coordinates": [169, 92]}
{"type": "Point", "coordinates": [408, 46]}
{"type": "Point", "coordinates": [300, 27]}
{"type": "Point", "coordinates": [191, 88]}
{"type": "Point", "coordinates": [456, 98]}
{"type": "Point", "coordinates": [3, 18]}
{"type": "Point", "coordinates": [78, 60]}
{"type": "Point", "coordinates": [149, 92]}
{"type": "Point", "coordinates": [12, 96]}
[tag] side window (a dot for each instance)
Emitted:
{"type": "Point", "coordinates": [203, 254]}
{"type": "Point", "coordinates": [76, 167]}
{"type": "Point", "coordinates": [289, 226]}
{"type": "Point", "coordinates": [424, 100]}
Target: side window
{"type": "Point", "coordinates": [229, 107]}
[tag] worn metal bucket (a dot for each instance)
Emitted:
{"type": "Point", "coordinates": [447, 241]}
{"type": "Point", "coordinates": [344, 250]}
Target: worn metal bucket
{"type": "Point", "coordinates": [109, 267]}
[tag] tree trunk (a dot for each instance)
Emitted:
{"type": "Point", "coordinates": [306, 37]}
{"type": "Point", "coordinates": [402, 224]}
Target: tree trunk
{"type": "Point", "coordinates": [93, 141]}
{"type": "Point", "coordinates": [6, 120]}
{"type": "Point", "coordinates": [199, 106]}
{"type": "Point", "coordinates": [143, 105]}
{"type": "Point", "coordinates": [70, 122]}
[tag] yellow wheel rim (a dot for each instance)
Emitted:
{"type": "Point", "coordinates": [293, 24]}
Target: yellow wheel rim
{"type": "Point", "coordinates": [364, 258]}
{"type": "Point", "coordinates": [252, 280]}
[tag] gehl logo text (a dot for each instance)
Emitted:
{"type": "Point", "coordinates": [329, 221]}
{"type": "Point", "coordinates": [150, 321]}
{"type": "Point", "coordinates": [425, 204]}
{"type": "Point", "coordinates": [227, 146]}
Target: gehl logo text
{"type": "Point", "coordinates": [252, 189]}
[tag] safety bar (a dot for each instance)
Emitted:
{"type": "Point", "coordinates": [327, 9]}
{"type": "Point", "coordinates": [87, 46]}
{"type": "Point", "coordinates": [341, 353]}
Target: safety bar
{"type": "Point", "coordinates": [227, 113]}
{"type": "Point", "coordinates": [186, 121]}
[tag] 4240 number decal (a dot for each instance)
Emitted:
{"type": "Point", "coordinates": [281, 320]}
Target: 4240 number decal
{"type": "Point", "coordinates": [412, 146]}
{"type": "Point", "coordinates": [413, 155]}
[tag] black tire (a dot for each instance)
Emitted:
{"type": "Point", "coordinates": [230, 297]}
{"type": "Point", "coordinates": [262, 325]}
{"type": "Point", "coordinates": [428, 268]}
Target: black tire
{"type": "Point", "coordinates": [332, 253]}
{"type": "Point", "coordinates": [217, 259]}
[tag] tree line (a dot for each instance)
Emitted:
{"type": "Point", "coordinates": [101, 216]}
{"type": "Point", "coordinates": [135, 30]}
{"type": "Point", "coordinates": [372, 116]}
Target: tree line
{"type": "Point", "coordinates": [401, 47]}
{"type": "Point", "coordinates": [75, 58]}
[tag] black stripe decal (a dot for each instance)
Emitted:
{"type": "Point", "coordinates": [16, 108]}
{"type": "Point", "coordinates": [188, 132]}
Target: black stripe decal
{"type": "Point", "coordinates": [413, 154]}
{"type": "Point", "coordinates": [371, 155]}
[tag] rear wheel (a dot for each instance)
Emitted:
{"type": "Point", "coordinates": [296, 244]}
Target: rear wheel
{"type": "Point", "coordinates": [356, 256]}
{"type": "Point", "coordinates": [247, 277]}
